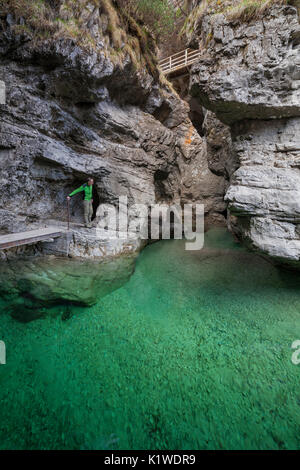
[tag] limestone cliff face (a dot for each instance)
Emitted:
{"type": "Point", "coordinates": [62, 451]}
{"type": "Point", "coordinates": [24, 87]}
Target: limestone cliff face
{"type": "Point", "coordinates": [249, 75]}
{"type": "Point", "coordinates": [85, 102]}
{"type": "Point", "coordinates": [72, 112]}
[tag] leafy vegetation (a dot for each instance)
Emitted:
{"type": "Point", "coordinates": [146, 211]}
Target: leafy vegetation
{"type": "Point", "coordinates": [71, 17]}
{"type": "Point", "coordinates": [159, 16]}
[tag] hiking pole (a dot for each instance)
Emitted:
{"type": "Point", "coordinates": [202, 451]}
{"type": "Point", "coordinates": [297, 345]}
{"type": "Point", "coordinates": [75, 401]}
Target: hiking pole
{"type": "Point", "coordinates": [68, 202]}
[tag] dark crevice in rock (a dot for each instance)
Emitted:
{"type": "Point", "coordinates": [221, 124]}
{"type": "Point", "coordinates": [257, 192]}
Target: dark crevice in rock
{"type": "Point", "coordinates": [197, 119]}
{"type": "Point", "coordinates": [96, 200]}
{"type": "Point", "coordinates": [163, 112]}
{"type": "Point", "coordinates": [85, 105]}
{"type": "Point", "coordinates": [160, 179]}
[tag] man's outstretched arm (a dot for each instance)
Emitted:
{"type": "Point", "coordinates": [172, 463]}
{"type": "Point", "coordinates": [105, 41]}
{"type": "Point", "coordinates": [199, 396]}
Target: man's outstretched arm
{"type": "Point", "coordinates": [77, 191]}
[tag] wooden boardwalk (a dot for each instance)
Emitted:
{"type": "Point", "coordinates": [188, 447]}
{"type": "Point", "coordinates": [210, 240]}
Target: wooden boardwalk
{"type": "Point", "coordinates": [27, 238]}
{"type": "Point", "coordinates": [179, 62]}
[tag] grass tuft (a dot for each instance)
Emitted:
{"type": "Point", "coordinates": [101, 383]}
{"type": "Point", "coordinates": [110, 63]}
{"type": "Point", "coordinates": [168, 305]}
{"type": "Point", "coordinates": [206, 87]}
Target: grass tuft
{"type": "Point", "coordinates": [240, 10]}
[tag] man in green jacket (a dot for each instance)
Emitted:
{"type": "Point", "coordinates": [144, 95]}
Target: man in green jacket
{"type": "Point", "coordinates": [88, 201]}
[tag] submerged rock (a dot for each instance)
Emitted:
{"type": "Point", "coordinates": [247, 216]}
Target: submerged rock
{"type": "Point", "coordinates": [25, 313]}
{"type": "Point", "coordinates": [51, 281]}
{"type": "Point", "coordinates": [67, 314]}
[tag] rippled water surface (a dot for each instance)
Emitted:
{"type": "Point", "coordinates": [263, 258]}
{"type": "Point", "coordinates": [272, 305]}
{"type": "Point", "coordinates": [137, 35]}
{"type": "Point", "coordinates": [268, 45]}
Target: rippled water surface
{"type": "Point", "coordinates": [193, 352]}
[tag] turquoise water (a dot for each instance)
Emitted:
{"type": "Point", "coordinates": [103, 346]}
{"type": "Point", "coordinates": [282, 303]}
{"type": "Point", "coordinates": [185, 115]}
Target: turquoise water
{"type": "Point", "coordinates": [193, 352]}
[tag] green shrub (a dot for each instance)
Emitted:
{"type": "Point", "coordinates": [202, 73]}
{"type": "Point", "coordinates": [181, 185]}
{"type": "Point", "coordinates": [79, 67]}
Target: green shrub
{"type": "Point", "coordinates": [159, 16]}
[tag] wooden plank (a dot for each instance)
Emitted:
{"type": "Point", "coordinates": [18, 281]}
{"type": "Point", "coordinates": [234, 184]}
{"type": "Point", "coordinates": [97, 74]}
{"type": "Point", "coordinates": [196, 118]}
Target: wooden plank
{"type": "Point", "coordinates": [30, 237]}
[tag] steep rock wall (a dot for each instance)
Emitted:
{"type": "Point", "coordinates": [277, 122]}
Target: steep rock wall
{"type": "Point", "coordinates": [75, 111]}
{"type": "Point", "coordinates": [249, 75]}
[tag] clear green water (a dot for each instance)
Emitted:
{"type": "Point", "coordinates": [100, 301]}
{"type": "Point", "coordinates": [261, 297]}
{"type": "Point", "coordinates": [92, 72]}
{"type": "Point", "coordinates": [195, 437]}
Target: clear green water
{"type": "Point", "coordinates": [193, 352]}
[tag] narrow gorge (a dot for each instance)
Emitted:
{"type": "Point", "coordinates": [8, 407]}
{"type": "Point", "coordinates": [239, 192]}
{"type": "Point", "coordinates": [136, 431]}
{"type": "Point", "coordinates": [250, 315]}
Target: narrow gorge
{"type": "Point", "coordinates": [132, 341]}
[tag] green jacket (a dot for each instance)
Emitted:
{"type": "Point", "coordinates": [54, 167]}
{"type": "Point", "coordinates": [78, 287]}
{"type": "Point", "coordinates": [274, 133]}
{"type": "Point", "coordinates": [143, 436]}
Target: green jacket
{"type": "Point", "coordinates": [88, 192]}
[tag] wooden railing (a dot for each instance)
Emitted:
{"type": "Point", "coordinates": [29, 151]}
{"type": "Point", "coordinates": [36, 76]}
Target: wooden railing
{"type": "Point", "coordinates": [179, 61]}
